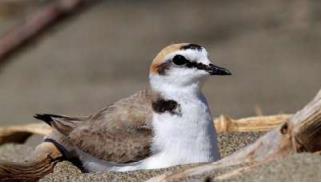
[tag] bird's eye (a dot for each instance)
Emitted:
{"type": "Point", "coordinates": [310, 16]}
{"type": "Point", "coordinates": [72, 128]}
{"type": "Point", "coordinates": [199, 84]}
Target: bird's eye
{"type": "Point", "coordinates": [179, 60]}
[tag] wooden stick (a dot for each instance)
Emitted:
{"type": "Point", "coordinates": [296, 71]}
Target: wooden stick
{"type": "Point", "coordinates": [45, 157]}
{"type": "Point", "coordinates": [236, 172]}
{"type": "Point", "coordinates": [300, 133]}
{"type": "Point", "coordinates": [20, 133]}
{"type": "Point", "coordinates": [36, 24]}
{"type": "Point", "coordinates": [259, 123]}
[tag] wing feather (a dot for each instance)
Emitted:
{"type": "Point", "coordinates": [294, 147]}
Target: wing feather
{"type": "Point", "coordinates": [120, 133]}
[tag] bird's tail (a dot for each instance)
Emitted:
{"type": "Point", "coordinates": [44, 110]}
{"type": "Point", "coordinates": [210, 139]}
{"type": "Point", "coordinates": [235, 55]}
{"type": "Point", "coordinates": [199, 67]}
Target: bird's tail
{"type": "Point", "coordinates": [45, 157]}
{"type": "Point", "coordinates": [63, 124]}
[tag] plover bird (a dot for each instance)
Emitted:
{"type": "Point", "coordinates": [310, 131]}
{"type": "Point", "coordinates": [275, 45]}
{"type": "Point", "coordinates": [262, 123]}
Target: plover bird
{"type": "Point", "coordinates": [168, 124]}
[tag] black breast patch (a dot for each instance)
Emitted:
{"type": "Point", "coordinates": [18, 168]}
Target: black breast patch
{"type": "Point", "coordinates": [161, 106]}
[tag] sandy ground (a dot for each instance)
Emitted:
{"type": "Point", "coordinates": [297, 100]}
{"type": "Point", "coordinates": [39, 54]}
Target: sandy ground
{"type": "Point", "coordinates": [298, 167]}
{"type": "Point", "coordinates": [293, 168]}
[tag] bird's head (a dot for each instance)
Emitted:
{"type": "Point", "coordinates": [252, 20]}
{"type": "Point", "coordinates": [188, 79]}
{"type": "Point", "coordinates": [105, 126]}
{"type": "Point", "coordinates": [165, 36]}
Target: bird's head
{"type": "Point", "coordinates": [180, 65]}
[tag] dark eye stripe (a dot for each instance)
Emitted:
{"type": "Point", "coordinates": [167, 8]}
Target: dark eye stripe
{"type": "Point", "coordinates": [190, 64]}
{"type": "Point", "coordinates": [182, 61]}
{"type": "Point", "coordinates": [201, 66]}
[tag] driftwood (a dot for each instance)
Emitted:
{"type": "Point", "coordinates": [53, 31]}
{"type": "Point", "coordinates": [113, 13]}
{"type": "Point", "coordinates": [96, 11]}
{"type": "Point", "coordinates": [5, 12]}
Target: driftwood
{"type": "Point", "coordinates": [300, 133]}
{"type": "Point", "coordinates": [20, 133]}
{"type": "Point", "coordinates": [223, 124]}
{"type": "Point", "coordinates": [37, 23]}
{"type": "Point", "coordinates": [44, 159]}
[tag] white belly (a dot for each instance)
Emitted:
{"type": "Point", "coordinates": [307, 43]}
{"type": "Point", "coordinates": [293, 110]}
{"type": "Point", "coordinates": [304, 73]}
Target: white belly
{"type": "Point", "coordinates": [186, 138]}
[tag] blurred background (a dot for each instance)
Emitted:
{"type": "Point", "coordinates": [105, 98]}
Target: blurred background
{"type": "Point", "coordinates": [102, 54]}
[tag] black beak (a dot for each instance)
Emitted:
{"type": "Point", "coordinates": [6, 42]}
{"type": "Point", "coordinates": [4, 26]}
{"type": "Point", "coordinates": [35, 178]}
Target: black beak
{"type": "Point", "coordinates": [216, 70]}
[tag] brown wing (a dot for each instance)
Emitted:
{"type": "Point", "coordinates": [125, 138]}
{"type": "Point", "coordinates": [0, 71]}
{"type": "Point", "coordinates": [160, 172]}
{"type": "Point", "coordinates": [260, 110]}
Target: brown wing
{"type": "Point", "coordinates": [120, 133]}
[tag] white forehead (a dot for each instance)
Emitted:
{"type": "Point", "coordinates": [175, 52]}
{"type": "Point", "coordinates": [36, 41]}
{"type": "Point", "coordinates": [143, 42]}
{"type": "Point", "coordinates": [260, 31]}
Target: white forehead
{"type": "Point", "coordinates": [199, 55]}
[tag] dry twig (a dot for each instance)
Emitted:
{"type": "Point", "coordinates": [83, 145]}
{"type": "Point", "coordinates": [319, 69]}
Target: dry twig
{"type": "Point", "coordinates": [46, 155]}
{"type": "Point", "coordinates": [35, 24]}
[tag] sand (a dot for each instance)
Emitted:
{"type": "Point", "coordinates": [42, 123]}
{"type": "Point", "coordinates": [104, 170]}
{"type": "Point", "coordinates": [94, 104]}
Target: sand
{"type": "Point", "coordinates": [297, 167]}
{"type": "Point", "coordinates": [14, 153]}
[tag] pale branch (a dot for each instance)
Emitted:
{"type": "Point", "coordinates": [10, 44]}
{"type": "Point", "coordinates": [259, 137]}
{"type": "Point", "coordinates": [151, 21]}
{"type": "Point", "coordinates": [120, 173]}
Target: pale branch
{"type": "Point", "coordinates": [236, 172]}
{"type": "Point", "coordinates": [223, 124]}
{"type": "Point", "coordinates": [300, 133]}
{"type": "Point", "coordinates": [45, 157]}
{"type": "Point", "coordinates": [255, 124]}
{"type": "Point", "coordinates": [36, 23]}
